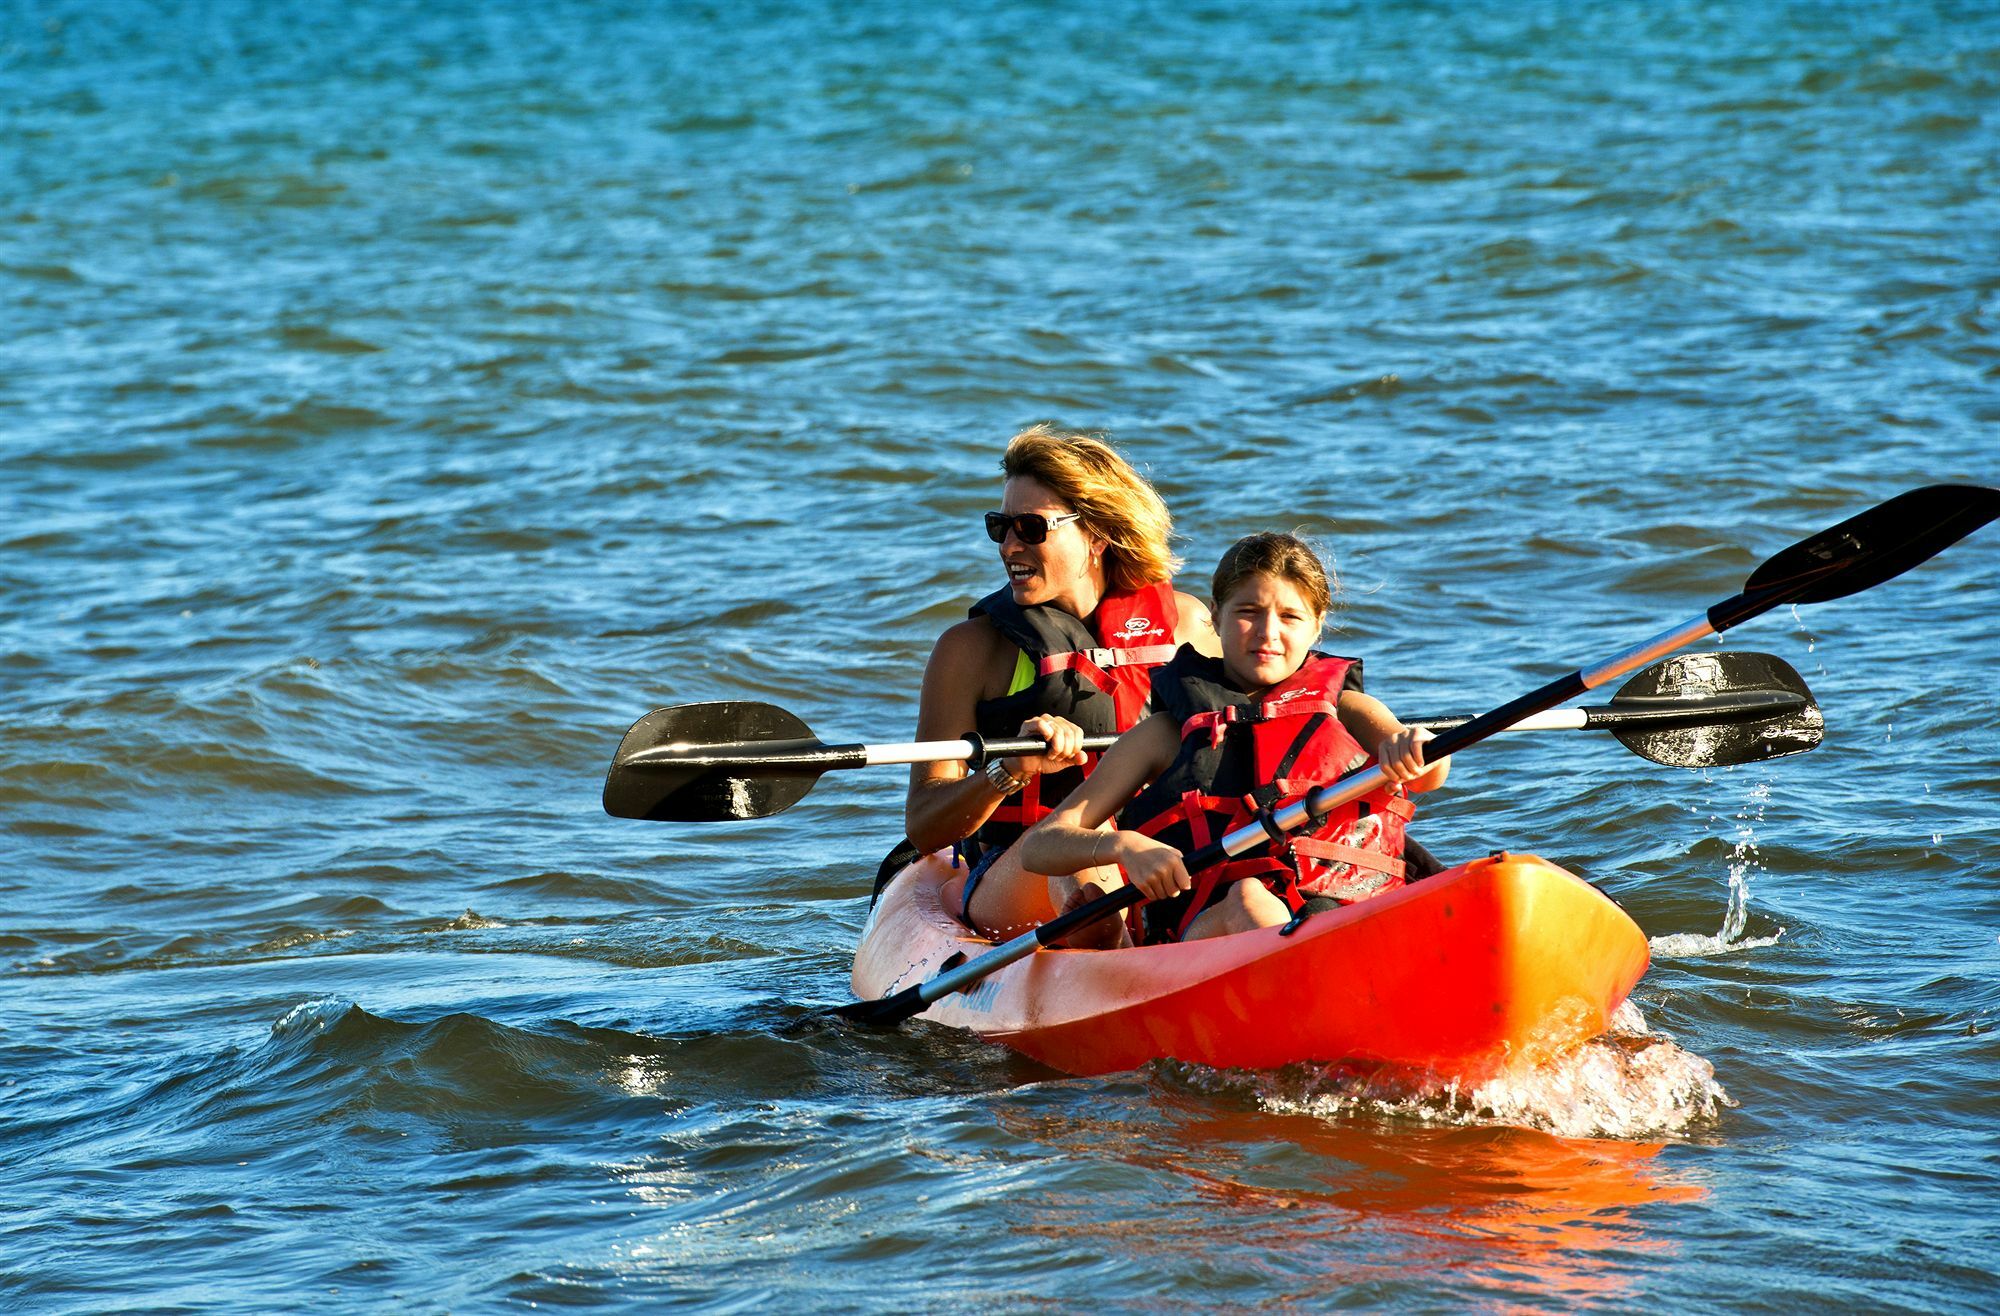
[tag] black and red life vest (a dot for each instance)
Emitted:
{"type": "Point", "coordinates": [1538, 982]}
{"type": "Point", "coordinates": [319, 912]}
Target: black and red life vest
{"type": "Point", "coordinates": [1241, 756]}
{"type": "Point", "coordinates": [1096, 674]}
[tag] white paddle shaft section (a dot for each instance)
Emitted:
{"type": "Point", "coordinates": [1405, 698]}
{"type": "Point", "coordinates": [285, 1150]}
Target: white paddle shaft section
{"type": "Point", "coordinates": [958, 751]}
{"type": "Point", "coordinates": [1556, 719]}
{"type": "Point", "coordinates": [921, 751]}
{"type": "Point", "coordinates": [1666, 642]}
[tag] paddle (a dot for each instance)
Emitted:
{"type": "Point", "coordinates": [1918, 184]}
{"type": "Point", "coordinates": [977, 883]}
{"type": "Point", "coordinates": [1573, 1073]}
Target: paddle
{"type": "Point", "coordinates": [734, 760]}
{"type": "Point", "coordinates": [1695, 710]}
{"type": "Point", "coordinates": [1845, 559]}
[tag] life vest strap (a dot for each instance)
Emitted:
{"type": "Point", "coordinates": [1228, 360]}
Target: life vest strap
{"type": "Point", "coordinates": [1398, 806]}
{"type": "Point", "coordinates": [1273, 709]}
{"type": "Point", "coordinates": [1213, 723]}
{"type": "Point", "coordinates": [1144, 655]}
{"type": "Point", "coordinates": [1334, 852]}
{"type": "Point", "coordinates": [1216, 721]}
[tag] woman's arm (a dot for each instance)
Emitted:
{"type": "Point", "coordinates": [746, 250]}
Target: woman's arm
{"type": "Point", "coordinates": [946, 803]}
{"type": "Point", "coordinates": [1395, 746]}
{"type": "Point", "coordinates": [1073, 837]}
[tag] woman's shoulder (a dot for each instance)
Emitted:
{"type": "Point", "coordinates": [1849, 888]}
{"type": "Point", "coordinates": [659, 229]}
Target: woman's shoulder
{"type": "Point", "coordinates": [973, 658]}
{"type": "Point", "coordinates": [970, 640]}
{"type": "Point", "coordinates": [969, 663]}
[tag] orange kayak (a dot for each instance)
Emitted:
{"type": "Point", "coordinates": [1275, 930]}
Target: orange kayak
{"type": "Point", "coordinates": [1505, 957]}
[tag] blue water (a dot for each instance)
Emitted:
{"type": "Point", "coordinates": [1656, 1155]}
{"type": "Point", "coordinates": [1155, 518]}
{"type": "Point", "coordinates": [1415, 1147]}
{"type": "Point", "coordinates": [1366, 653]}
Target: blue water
{"type": "Point", "coordinates": [399, 399]}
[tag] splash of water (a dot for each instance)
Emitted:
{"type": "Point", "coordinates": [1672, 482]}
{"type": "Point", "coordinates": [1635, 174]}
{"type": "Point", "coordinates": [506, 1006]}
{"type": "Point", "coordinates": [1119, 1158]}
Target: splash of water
{"type": "Point", "coordinates": [1627, 1083]}
{"type": "Point", "coordinates": [1744, 860]}
{"type": "Point", "coordinates": [1812, 641]}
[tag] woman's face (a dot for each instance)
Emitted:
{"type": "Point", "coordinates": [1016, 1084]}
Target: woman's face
{"type": "Point", "coordinates": [1267, 628]}
{"type": "Point", "coordinates": [1064, 568]}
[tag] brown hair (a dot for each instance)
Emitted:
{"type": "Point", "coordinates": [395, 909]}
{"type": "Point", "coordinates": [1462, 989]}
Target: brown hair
{"type": "Point", "coordinates": [1116, 503]}
{"type": "Point", "coordinates": [1281, 556]}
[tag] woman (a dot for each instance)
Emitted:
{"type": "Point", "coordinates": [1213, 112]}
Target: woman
{"type": "Point", "coordinates": [1062, 651]}
{"type": "Point", "coordinates": [1252, 730]}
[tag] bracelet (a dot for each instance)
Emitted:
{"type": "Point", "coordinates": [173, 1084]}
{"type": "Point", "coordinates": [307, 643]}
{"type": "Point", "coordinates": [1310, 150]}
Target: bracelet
{"type": "Point", "coordinates": [1006, 782]}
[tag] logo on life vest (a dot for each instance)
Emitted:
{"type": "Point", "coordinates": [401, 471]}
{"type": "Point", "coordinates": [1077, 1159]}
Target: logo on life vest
{"type": "Point", "coordinates": [1289, 696]}
{"type": "Point", "coordinates": [1134, 627]}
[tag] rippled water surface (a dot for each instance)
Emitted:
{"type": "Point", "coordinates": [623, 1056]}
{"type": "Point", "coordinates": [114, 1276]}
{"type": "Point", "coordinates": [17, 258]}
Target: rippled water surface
{"type": "Point", "coordinates": [398, 399]}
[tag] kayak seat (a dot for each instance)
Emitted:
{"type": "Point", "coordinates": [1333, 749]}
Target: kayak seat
{"type": "Point", "coordinates": [1418, 863]}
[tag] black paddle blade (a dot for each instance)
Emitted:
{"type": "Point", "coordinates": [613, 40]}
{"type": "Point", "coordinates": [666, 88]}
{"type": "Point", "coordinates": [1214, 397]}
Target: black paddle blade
{"type": "Point", "coordinates": [887, 1012]}
{"type": "Point", "coordinates": [1881, 543]}
{"type": "Point", "coordinates": [1753, 707]}
{"type": "Point", "coordinates": [665, 769]}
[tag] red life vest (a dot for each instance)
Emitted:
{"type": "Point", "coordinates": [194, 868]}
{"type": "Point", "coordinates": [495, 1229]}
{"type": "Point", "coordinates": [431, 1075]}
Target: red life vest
{"type": "Point", "coordinates": [1098, 675]}
{"type": "Point", "coordinates": [1240, 757]}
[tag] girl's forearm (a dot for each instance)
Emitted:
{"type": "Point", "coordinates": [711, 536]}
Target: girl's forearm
{"type": "Point", "coordinates": [1054, 847]}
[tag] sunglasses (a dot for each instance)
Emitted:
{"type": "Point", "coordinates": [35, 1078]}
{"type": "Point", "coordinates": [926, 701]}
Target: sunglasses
{"type": "Point", "coordinates": [1028, 527]}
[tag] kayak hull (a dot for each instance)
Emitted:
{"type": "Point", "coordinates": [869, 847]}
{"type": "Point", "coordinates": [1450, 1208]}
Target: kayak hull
{"type": "Point", "coordinates": [1505, 959]}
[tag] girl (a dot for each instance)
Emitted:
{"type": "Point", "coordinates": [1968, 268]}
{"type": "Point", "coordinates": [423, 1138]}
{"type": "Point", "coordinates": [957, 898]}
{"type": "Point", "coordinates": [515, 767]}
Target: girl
{"type": "Point", "coordinates": [1233, 736]}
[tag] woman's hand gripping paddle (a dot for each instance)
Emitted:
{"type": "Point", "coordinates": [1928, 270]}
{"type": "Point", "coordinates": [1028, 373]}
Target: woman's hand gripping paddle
{"type": "Point", "coordinates": [1844, 559]}
{"type": "Point", "coordinates": [709, 762]}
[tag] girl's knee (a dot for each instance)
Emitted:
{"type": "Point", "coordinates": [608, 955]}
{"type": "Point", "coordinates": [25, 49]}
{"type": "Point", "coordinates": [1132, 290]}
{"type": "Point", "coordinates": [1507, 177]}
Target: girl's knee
{"type": "Point", "coordinates": [1257, 905]}
{"type": "Point", "coordinates": [1245, 906]}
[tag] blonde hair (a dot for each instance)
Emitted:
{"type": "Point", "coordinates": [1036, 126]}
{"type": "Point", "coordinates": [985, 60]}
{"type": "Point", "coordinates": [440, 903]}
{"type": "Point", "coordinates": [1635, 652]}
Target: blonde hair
{"type": "Point", "coordinates": [1115, 502]}
{"type": "Point", "coordinates": [1282, 557]}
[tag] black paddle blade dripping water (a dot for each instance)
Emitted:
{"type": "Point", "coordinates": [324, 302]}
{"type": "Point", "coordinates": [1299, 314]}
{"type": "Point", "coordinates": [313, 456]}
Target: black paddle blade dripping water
{"type": "Point", "coordinates": [699, 762]}
{"type": "Point", "coordinates": [1863, 551]}
{"type": "Point", "coordinates": [1775, 712]}
{"type": "Point", "coordinates": [1698, 710]}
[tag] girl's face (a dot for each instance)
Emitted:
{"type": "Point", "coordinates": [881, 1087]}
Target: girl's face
{"type": "Point", "coordinates": [1064, 568]}
{"type": "Point", "coordinates": [1267, 628]}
